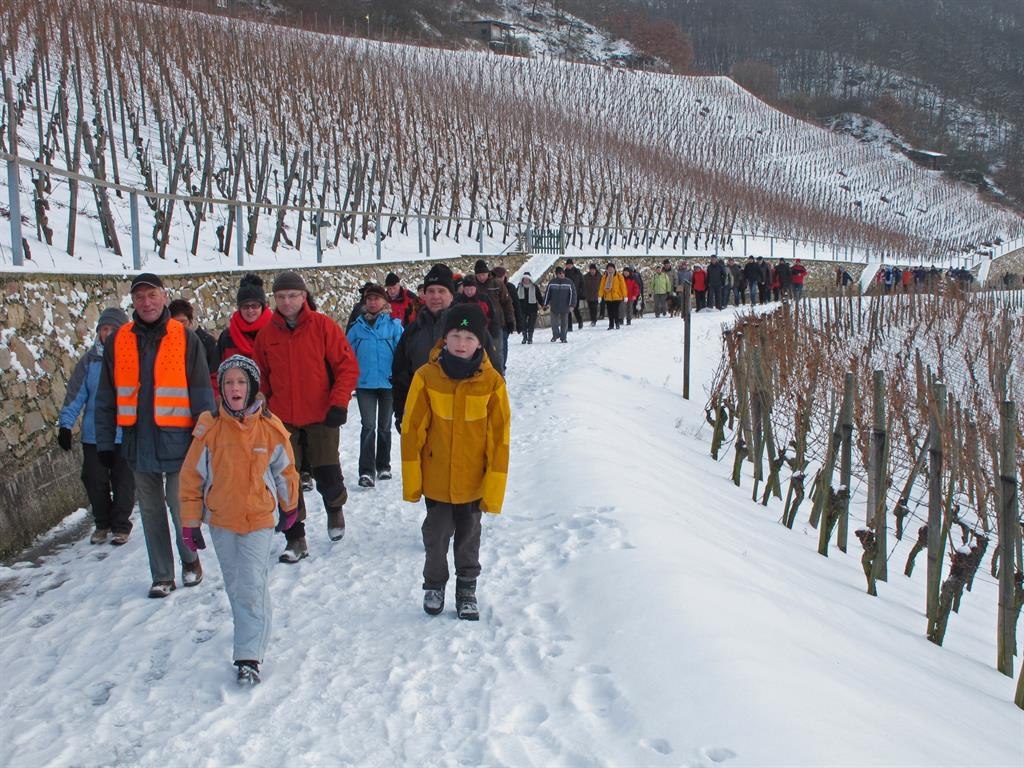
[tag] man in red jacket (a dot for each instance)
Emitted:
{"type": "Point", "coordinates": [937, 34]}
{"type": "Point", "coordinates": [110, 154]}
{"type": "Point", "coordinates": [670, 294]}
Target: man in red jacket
{"type": "Point", "coordinates": [403, 302]}
{"type": "Point", "coordinates": [308, 372]}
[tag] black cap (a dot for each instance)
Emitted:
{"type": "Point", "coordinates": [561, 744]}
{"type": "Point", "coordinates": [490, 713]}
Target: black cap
{"type": "Point", "coordinates": [392, 279]}
{"type": "Point", "coordinates": [480, 267]}
{"type": "Point", "coordinates": [559, 271]}
{"type": "Point", "coordinates": [440, 274]}
{"type": "Point", "coordinates": [146, 278]}
{"type": "Point", "coordinates": [467, 317]}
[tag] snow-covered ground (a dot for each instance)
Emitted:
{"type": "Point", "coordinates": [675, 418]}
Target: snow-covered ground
{"type": "Point", "coordinates": [637, 609]}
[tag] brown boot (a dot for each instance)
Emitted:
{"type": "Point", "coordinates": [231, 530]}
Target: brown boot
{"type": "Point", "coordinates": [294, 551]}
{"type": "Point", "coordinates": [335, 524]}
{"type": "Point", "coordinates": [192, 574]}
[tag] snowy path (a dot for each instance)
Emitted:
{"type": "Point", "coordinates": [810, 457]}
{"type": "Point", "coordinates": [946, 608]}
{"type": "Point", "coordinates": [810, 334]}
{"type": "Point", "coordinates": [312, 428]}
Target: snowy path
{"type": "Point", "coordinates": [636, 610]}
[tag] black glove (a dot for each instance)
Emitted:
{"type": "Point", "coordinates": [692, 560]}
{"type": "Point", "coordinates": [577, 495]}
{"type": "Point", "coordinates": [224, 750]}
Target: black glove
{"type": "Point", "coordinates": [398, 423]}
{"type": "Point", "coordinates": [106, 458]}
{"type": "Point", "coordinates": [336, 416]}
{"type": "Point", "coordinates": [64, 438]}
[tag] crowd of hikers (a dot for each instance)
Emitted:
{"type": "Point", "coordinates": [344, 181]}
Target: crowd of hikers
{"type": "Point", "coordinates": [229, 430]}
{"type": "Point", "coordinates": [895, 279]}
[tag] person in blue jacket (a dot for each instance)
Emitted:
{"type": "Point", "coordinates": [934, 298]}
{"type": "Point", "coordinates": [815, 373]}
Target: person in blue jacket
{"type": "Point", "coordinates": [374, 336]}
{"type": "Point", "coordinates": [111, 491]}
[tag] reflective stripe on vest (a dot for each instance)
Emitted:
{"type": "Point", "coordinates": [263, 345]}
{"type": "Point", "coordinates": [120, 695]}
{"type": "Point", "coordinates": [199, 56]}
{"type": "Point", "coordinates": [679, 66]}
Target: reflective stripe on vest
{"type": "Point", "coordinates": [171, 406]}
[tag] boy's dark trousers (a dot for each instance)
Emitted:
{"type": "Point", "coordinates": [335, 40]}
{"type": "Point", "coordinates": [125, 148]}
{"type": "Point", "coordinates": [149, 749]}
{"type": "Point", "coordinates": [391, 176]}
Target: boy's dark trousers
{"type": "Point", "coordinates": [592, 311]}
{"type": "Point", "coordinates": [115, 513]}
{"type": "Point", "coordinates": [444, 520]}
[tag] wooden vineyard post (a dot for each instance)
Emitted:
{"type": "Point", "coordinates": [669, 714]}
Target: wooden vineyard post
{"type": "Point", "coordinates": [935, 543]}
{"type": "Point", "coordinates": [686, 344]}
{"type": "Point", "coordinates": [828, 500]}
{"type": "Point", "coordinates": [13, 175]}
{"type": "Point", "coordinates": [775, 460]}
{"type": "Point", "coordinates": [876, 480]}
{"type": "Point", "coordinates": [795, 495]}
{"type": "Point", "coordinates": [846, 459]}
{"type": "Point", "coordinates": [743, 436]}
{"type": "Point", "coordinates": [1008, 532]}
{"type": "Point", "coordinates": [756, 419]}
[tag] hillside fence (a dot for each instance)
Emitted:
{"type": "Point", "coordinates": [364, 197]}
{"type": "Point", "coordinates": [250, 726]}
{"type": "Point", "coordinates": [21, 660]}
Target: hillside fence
{"type": "Point", "coordinates": [328, 226]}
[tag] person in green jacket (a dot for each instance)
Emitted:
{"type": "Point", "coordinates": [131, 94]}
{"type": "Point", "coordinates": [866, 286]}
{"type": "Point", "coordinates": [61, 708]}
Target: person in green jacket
{"type": "Point", "coordinates": [662, 287]}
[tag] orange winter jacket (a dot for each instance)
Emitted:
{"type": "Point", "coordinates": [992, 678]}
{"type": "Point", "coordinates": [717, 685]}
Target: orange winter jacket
{"type": "Point", "coordinates": [618, 289]}
{"type": "Point", "coordinates": [455, 436]}
{"type": "Point", "coordinates": [238, 473]}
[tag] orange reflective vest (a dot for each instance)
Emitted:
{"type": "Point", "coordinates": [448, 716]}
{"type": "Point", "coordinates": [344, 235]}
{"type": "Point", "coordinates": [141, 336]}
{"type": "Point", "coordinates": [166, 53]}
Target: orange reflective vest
{"type": "Point", "coordinates": [171, 407]}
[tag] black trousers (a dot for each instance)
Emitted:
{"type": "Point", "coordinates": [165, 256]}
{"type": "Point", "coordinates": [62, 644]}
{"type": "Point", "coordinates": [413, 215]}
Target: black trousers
{"type": "Point", "coordinates": [444, 520]}
{"type": "Point", "coordinates": [529, 323]}
{"type": "Point", "coordinates": [577, 315]}
{"type": "Point", "coordinates": [614, 318]}
{"type": "Point", "coordinates": [111, 492]}
{"type": "Point", "coordinates": [592, 311]}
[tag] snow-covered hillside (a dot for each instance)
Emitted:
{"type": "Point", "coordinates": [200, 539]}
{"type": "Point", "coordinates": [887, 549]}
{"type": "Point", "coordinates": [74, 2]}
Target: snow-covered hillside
{"type": "Point", "coordinates": [637, 610]}
{"type": "Point", "coordinates": [216, 108]}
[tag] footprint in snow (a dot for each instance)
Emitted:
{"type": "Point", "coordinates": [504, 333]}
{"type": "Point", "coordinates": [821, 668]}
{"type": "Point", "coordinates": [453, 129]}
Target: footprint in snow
{"type": "Point", "coordinates": [661, 746]}
{"type": "Point", "coordinates": [594, 695]}
{"type": "Point", "coordinates": [711, 757]}
{"type": "Point", "coordinates": [202, 635]}
{"type": "Point", "coordinates": [99, 693]}
{"type": "Point", "coordinates": [41, 621]}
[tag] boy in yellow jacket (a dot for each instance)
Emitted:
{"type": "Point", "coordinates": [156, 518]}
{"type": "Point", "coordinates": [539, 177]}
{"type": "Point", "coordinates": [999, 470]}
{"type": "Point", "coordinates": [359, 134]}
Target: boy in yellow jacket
{"type": "Point", "coordinates": [238, 472]}
{"type": "Point", "coordinates": [455, 446]}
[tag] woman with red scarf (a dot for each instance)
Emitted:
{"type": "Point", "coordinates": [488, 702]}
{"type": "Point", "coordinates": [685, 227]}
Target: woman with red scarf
{"type": "Point", "coordinates": [245, 323]}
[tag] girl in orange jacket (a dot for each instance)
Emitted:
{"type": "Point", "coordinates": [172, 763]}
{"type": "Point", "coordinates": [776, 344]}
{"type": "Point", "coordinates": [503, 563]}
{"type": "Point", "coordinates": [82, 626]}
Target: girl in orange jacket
{"type": "Point", "coordinates": [238, 472]}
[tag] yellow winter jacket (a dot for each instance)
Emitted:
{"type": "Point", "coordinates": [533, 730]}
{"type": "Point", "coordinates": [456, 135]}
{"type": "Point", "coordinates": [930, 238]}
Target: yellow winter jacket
{"type": "Point", "coordinates": [237, 473]}
{"type": "Point", "coordinates": [455, 436]}
{"type": "Point", "coordinates": [618, 291]}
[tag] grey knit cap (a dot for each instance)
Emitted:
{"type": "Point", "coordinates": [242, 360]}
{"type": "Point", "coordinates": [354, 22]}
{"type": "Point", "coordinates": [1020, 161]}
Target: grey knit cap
{"type": "Point", "coordinates": [114, 316]}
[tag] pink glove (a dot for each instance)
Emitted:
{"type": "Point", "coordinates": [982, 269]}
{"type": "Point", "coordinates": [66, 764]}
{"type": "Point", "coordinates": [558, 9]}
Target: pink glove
{"type": "Point", "coordinates": [193, 538]}
{"type": "Point", "coordinates": [286, 520]}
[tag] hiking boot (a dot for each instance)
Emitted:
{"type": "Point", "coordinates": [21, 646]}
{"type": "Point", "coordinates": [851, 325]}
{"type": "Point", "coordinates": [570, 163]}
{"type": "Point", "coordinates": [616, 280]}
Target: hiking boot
{"type": "Point", "coordinates": [248, 673]}
{"type": "Point", "coordinates": [433, 601]}
{"type": "Point", "coordinates": [465, 600]}
{"type": "Point", "coordinates": [335, 524]}
{"type": "Point", "coordinates": [99, 536]}
{"type": "Point", "coordinates": [294, 551]}
{"type": "Point", "coordinates": [120, 538]}
{"type": "Point", "coordinates": [192, 573]}
{"type": "Point", "coordinates": [161, 588]}
{"type": "Point", "coordinates": [307, 481]}
{"type": "Point", "coordinates": [365, 481]}
{"type": "Point", "coordinates": [384, 474]}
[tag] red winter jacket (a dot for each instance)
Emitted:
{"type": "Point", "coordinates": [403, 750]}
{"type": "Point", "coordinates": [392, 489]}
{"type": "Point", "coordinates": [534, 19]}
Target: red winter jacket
{"type": "Point", "coordinates": [403, 306]}
{"type": "Point", "coordinates": [699, 280]}
{"type": "Point", "coordinates": [798, 273]}
{"type": "Point", "coordinates": [632, 289]}
{"type": "Point", "coordinates": [306, 369]}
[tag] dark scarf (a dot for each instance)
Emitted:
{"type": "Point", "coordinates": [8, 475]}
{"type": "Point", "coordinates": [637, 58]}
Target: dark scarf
{"type": "Point", "coordinates": [243, 334]}
{"type": "Point", "coordinates": [459, 367]}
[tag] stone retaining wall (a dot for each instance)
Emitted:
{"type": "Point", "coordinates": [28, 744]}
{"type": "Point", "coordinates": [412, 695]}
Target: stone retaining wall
{"type": "Point", "coordinates": [46, 323]}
